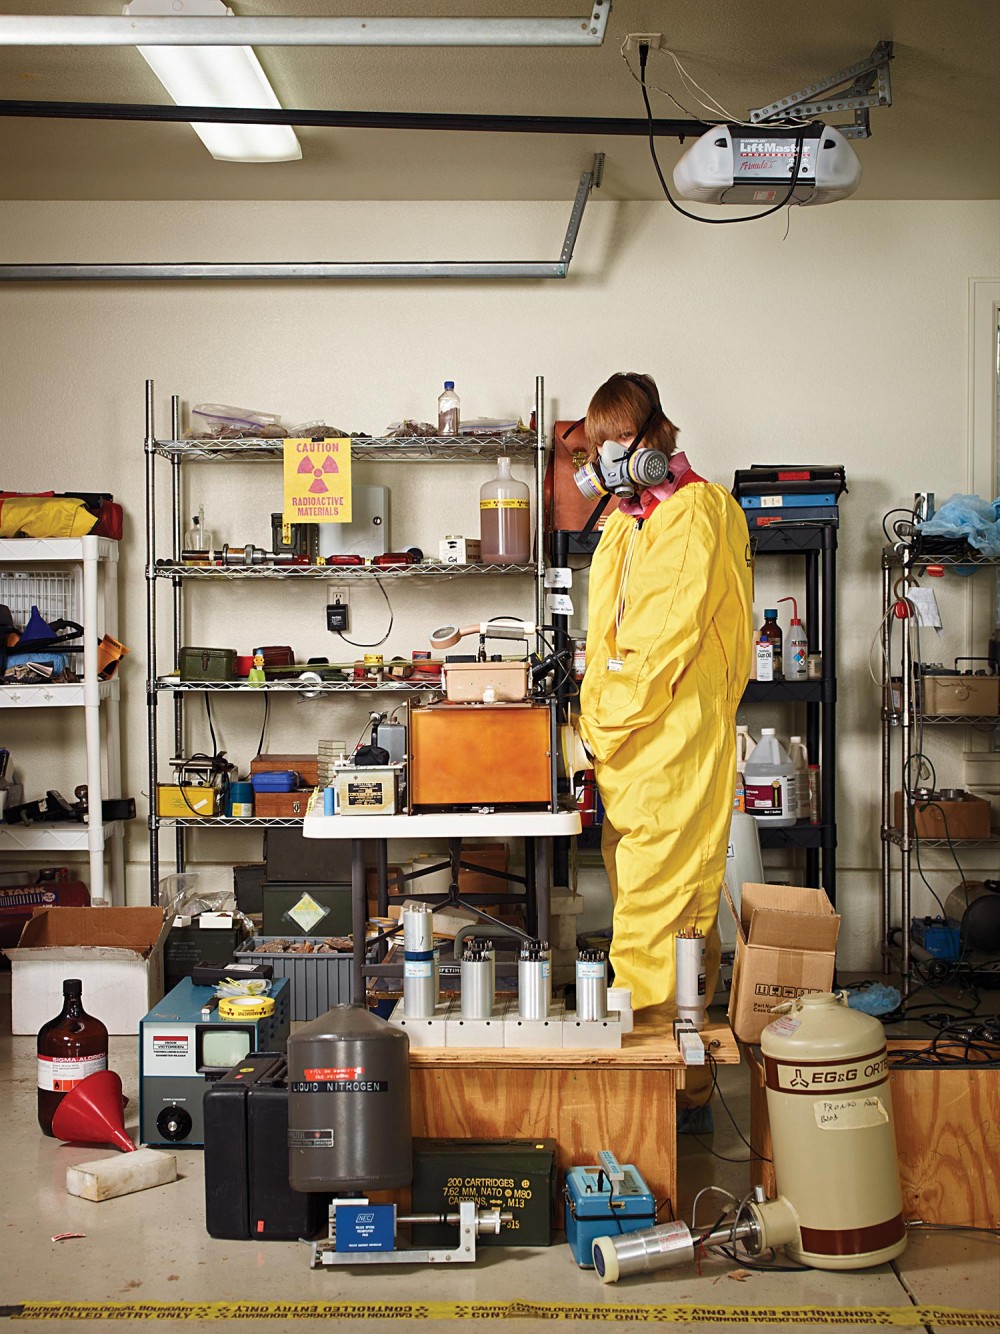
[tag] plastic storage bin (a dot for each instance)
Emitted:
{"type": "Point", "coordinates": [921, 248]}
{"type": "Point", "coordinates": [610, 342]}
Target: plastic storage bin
{"type": "Point", "coordinates": [317, 981]}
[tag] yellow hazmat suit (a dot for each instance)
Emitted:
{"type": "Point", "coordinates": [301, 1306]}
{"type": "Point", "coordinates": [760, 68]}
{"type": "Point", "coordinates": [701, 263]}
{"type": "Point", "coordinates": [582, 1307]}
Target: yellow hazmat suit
{"type": "Point", "coordinates": [668, 658]}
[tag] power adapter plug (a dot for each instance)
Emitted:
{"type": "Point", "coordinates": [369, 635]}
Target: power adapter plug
{"type": "Point", "coordinates": [337, 617]}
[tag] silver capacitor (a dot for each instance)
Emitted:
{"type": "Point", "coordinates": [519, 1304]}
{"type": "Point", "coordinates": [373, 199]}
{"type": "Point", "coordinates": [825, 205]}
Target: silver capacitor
{"type": "Point", "coordinates": [592, 985]}
{"type": "Point", "coordinates": [690, 961]}
{"type": "Point", "coordinates": [478, 979]}
{"type": "Point", "coordinates": [420, 983]}
{"type": "Point", "coordinates": [534, 980]}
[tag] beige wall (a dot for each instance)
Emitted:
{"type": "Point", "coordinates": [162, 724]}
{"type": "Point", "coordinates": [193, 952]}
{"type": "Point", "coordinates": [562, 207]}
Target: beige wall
{"type": "Point", "coordinates": [846, 341]}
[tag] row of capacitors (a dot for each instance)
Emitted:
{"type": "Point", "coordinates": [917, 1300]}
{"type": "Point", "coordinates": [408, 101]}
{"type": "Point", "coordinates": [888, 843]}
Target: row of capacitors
{"type": "Point", "coordinates": [422, 987]}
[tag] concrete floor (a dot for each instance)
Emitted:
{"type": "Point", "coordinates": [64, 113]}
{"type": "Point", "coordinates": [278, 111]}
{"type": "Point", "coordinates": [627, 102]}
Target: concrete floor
{"type": "Point", "coordinates": [152, 1247]}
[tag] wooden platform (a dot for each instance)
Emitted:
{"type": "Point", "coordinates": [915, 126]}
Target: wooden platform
{"type": "Point", "coordinates": [586, 1101]}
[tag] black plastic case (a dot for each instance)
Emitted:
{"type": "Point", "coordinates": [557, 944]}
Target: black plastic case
{"type": "Point", "coordinates": [247, 1195]}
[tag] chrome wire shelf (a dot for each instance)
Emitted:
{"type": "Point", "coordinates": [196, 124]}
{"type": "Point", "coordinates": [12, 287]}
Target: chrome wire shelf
{"type": "Point", "coordinates": [337, 573]}
{"type": "Point", "coordinates": [230, 822]}
{"type": "Point", "coordinates": [895, 836]}
{"type": "Point", "coordinates": [387, 449]}
{"type": "Point", "coordinates": [407, 687]}
{"type": "Point", "coordinates": [893, 558]}
{"type": "Point", "coordinates": [895, 719]}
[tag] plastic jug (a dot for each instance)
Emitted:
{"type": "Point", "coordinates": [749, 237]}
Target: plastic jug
{"type": "Point", "coordinates": [799, 757]}
{"type": "Point", "coordinates": [743, 866]}
{"type": "Point", "coordinates": [770, 783]}
{"type": "Point", "coordinates": [745, 745]}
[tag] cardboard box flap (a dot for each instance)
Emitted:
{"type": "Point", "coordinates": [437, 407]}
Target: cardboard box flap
{"type": "Point", "coordinates": [782, 898]}
{"type": "Point", "coordinates": [732, 908]}
{"type": "Point", "coordinates": [85, 933]}
{"type": "Point", "coordinates": [794, 931]}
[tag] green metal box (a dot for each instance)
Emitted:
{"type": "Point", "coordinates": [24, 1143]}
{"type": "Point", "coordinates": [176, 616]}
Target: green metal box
{"type": "Point", "coordinates": [518, 1175]}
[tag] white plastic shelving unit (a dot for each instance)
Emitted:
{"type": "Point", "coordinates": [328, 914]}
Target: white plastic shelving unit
{"type": "Point", "coordinates": [95, 563]}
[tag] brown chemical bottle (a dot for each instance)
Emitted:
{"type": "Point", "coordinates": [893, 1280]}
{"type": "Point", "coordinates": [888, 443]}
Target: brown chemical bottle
{"type": "Point", "coordinates": [71, 1046]}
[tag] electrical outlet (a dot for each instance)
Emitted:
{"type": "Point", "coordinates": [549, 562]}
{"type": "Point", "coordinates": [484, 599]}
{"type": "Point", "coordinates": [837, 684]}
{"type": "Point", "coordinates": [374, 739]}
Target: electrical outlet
{"type": "Point", "coordinates": [338, 593]}
{"type": "Point", "coordinates": [654, 40]}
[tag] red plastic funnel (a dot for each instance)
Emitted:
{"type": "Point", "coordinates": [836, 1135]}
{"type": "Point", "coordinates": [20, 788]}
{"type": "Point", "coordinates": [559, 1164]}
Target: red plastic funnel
{"type": "Point", "coordinates": [92, 1113]}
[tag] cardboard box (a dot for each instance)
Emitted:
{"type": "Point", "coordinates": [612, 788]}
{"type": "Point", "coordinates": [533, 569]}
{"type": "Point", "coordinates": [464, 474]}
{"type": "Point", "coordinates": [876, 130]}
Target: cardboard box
{"type": "Point", "coordinates": [116, 952]}
{"type": "Point", "coordinates": [786, 945]}
{"type": "Point", "coordinates": [967, 817]}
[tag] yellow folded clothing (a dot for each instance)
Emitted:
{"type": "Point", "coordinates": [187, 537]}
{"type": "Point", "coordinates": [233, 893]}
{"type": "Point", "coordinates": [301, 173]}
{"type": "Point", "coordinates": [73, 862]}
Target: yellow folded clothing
{"type": "Point", "coordinates": [45, 516]}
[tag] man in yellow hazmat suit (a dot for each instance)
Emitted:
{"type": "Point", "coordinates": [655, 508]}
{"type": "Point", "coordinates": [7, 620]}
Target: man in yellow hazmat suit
{"type": "Point", "coordinates": [668, 658]}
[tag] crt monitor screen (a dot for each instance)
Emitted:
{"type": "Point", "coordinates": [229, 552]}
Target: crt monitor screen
{"type": "Point", "coordinates": [221, 1048]}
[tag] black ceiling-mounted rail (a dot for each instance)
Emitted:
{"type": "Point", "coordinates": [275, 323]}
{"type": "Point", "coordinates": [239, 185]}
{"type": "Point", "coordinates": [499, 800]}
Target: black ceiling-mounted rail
{"type": "Point", "coordinates": [355, 120]}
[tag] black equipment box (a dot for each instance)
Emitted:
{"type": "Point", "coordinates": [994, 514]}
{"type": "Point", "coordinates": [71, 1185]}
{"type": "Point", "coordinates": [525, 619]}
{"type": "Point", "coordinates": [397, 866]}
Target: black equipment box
{"type": "Point", "coordinates": [514, 1174]}
{"type": "Point", "coordinates": [247, 1195]}
{"type": "Point", "coordinates": [188, 945]}
{"type": "Point", "coordinates": [247, 881]}
{"type": "Point", "coordinates": [289, 856]}
{"type": "Point", "coordinates": [769, 479]}
{"type": "Point", "coordinates": [306, 909]}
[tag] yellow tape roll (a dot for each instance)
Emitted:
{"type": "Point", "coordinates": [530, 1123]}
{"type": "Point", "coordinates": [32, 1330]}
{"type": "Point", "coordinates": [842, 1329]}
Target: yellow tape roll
{"type": "Point", "coordinates": [245, 1007]}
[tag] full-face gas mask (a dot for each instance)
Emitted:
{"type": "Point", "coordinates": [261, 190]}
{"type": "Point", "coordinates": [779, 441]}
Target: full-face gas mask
{"type": "Point", "coordinates": [621, 470]}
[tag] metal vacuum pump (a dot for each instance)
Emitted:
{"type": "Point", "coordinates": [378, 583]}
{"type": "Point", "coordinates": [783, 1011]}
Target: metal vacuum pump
{"type": "Point", "coordinates": [839, 1203]}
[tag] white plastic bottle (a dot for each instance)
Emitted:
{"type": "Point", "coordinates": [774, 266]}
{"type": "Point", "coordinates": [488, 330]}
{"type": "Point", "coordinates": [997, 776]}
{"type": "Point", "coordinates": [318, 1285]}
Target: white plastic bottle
{"type": "Point", "coordinates": [449, 410]}
{"type": "Point", "coordinates": [800, 759]}
{"type": "Point", "coordinates": [795, 647]}
{"type": "Point", "coordinates": [770, 783]}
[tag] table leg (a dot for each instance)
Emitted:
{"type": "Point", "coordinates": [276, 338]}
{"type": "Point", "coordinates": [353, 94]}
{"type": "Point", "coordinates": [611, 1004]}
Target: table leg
{"type": "Point", "coordinates": [359, 918]}
{"type": "Point", "coordinates": [382, 875]}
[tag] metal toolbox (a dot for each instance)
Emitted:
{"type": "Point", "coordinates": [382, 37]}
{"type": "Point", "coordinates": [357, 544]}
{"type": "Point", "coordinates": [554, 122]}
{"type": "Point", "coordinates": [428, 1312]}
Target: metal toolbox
{"type": "Point", "coordinates": [485, 682]}
{"type": "Point", "coordinates": [469, 755]}
{"type": "Point", "coordinates": [370, 789]}
{"type": "Point", "coordinates": [954, 696]}
{"type": "Point", "coordinates": [207, 664]}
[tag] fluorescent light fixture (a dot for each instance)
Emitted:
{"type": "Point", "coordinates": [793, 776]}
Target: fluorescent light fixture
{"type": "Point", "coordinates": [96, 30]}
{"type": "Point", "coordinates": [217, 76]}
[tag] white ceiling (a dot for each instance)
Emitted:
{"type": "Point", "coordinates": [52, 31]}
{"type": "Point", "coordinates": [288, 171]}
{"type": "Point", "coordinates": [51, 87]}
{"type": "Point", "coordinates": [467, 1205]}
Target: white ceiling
{"type": "Point", "coordinates": [939, 140]}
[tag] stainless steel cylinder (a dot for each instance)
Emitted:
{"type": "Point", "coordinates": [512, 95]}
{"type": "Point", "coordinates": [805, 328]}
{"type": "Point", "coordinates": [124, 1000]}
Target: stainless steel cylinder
{"type": "Point", "coordinates": [478, 979]}
{"type": "Point", "coordinates": [534, 980]}
{"type": "Point", "coordinates": [637, 1252]}
{"type": "Point", "coordinates": [690, 962]}
{"type": "Point", "coordinates": [592, 985]}
{"type": "Point", "coordinates": [420, 982]}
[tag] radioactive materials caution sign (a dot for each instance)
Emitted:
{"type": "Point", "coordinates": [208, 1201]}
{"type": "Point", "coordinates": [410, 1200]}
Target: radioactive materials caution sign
{"type": "Point", "coordinates": [898, 1317]}
{"type": "Point", "coordinates": [317, 478]}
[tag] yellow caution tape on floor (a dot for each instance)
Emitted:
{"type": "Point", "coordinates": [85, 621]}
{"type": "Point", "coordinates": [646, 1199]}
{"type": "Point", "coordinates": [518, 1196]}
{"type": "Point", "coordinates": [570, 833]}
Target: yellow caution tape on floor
{"type": "Point", "coordinates": [899, 1317]}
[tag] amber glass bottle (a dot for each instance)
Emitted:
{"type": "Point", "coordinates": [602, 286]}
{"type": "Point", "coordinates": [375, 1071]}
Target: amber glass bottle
{"type": "Point", "coordinates": [71, 1046]}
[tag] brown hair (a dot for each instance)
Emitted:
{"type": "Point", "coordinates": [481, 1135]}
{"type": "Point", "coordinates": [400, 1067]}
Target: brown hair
{"type": "Point", "coordinates": [620, 407]}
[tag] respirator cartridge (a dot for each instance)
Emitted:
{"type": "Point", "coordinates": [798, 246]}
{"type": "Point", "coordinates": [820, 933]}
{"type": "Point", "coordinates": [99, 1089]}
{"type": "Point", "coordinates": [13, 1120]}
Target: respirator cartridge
{"type": "Point", "coordinates": [621, 470]}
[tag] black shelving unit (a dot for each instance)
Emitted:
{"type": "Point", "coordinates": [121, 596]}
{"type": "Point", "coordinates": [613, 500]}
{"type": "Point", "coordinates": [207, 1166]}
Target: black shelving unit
{"type": "Point", "coordinates": [816, 545]}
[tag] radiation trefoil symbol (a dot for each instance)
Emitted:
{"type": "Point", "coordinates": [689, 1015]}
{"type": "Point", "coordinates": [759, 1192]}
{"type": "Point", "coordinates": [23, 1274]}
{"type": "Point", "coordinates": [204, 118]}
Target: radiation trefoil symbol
{"type": "Point", "coordinates": [318, 486]}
